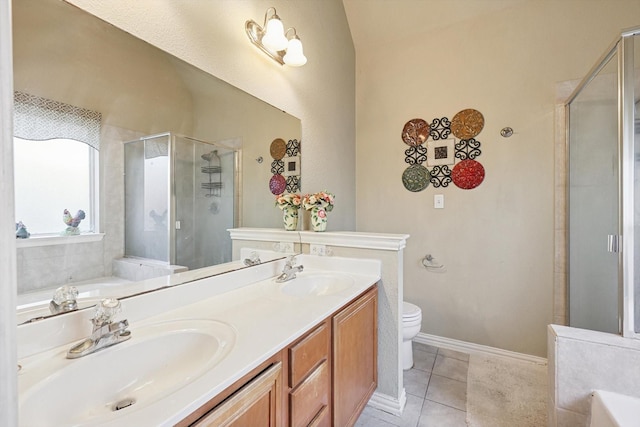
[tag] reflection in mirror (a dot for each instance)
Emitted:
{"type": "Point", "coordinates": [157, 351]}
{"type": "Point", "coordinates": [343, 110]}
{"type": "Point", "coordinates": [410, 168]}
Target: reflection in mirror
{"type": "Point", "coordinates": [66, 55]}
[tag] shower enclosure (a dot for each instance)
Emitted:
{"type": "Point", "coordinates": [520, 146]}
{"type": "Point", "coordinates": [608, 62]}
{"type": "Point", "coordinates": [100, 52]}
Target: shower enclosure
{"type": "Point", "coordinates": [180, 199]}
{"type": "Point", "coordinates": [604, 193]}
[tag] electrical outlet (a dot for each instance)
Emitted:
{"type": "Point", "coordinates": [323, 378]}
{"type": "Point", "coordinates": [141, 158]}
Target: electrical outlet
{"type": "Point", "coordinates": [438, 201]}
{"type": "Point", "coordinates": [320, 250]}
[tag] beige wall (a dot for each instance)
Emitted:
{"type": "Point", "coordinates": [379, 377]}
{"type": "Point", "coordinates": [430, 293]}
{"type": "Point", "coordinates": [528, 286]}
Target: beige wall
{"type": "Point", "coordinates": [211, 35]}
{"type": "Point", "coordinates": [497, 241]}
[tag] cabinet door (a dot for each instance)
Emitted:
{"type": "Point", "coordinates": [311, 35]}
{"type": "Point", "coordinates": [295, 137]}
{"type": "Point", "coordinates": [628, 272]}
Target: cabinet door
{"type": "Point", "coordinates": [256, 404]}
{"type": "Point", "coordinates": [355, 346]}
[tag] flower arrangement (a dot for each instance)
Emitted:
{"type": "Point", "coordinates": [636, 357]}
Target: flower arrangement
{"type": "Point", "coordinates": [290, 200]}
{"type": "Point", "coordinates": [322, 200]}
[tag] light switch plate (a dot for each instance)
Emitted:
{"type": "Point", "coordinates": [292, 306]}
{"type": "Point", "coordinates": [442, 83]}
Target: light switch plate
{"type": "Point", "coordinates": [438, 201]}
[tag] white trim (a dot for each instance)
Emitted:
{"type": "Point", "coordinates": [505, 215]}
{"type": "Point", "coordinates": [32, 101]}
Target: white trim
{"type": "Point", "coordinates": [49, 240]}
{"type": "Point", "coordinates": [350, 239]}
{"type": "Point", "coordinates": [389, 404]}
{"type": "Point", "coordinates": [471, 348]}
{"type": "Point", "coordinates": [263, 235]}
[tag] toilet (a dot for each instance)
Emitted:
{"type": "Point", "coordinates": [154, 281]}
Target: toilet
{"type": "Point", "coordinates": [411, 324]}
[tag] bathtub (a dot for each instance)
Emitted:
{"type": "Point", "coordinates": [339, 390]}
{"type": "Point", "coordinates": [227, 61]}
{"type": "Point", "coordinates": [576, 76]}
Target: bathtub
{"type": "Point", "coordinates": [614, 410]}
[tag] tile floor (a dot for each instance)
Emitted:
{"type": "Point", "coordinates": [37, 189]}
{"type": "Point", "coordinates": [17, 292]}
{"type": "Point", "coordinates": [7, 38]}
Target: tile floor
{"type": "Point", "coordinates": [436, 390]}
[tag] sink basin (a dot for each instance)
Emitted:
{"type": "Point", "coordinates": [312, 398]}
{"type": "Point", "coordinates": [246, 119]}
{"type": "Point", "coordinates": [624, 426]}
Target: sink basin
{"type": "Point", "coordinates": [158, 360]}
{"type": "Point", "coordinates": [316, 284]}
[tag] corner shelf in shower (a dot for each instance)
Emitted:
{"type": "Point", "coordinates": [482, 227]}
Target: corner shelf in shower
{"type": "Point", "coordinates": [213, 185]}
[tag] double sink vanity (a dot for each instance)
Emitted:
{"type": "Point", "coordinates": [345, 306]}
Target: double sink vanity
{"type": "Point", "coordinates": [239, 348]}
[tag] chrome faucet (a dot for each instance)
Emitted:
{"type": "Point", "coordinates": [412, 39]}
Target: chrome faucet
{"type": "Point", "coordinates": [105, 333]}
{"type": "Point", "coordinates": [289, 271]}
{"type": "Point", "coordinates": [64, 299]}
{"type": "Point", "coordinates": [254, 259]}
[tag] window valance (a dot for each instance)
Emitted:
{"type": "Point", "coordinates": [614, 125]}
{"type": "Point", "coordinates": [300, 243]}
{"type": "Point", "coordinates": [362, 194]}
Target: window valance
{"type": "Point", "coordinates": [39, 119]}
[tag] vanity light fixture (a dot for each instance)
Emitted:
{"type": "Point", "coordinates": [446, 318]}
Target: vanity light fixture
{"type": "Point", "coordinates": [283, 47]}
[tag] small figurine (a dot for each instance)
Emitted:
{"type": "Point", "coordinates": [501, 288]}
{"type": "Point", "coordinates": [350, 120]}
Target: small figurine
{"type": "Point", "coordinates": [160, 221]}
{"type": "Point", "coordinates": [72, 222]}
{"type": "Point", "coordinates": [21, 231]}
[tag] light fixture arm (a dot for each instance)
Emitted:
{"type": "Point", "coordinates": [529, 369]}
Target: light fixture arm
{"type": "Point", "coordinates": [266, 16]}
{"type": "Point", "coordinates": [295, 34]}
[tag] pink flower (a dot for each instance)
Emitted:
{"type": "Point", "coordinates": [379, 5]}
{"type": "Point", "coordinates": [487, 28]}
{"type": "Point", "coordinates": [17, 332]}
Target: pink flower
{"type": "Point", "coordinates": [322, 213]}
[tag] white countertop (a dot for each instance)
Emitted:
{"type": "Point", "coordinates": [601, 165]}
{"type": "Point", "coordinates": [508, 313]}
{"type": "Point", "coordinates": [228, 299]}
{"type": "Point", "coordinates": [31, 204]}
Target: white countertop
{"type": "Point", "coordinates": [265, 320]}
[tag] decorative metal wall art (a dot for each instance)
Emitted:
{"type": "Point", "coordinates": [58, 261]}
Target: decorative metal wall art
{"type": "Point", "coordinates": [415, 132]}
{"type": "Point", "coordinates": [467, 123]}
{"type": "Point", "coordinates": [440, 129]}
{"type": "Point", "coordinates": [449, 159]}
{"type": "Point", "coordinates": [415, 155]}
{"type": "Point", "coordinates": [277, 167]}
{"type": "Point", "coordinates": [467, 149]}
{"type": "Point", "coordinates": [416, 178]}
{"type": "Point", "coordinates": [285, 166]}
{"type": "Point", "coordinates": [467, 174]}
{"type": "Point", "coordinates": [440, 176]}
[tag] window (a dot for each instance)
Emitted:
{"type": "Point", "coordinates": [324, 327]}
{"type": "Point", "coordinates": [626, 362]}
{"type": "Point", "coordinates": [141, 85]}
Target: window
{"type": "Point", "coordinates": [51, 176]}
{"type": "Point", "coordinates": [56, 163]}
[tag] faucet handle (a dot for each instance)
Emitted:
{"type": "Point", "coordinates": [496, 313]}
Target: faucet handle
{"type": "Point", "coordinates": [64, 299]}
{"type": "Point", "coordinates": [291, 260]}
{"type": "Point", "coordinates": [64, 294]}
{"type": "Point", "coordinates": [106, 309]}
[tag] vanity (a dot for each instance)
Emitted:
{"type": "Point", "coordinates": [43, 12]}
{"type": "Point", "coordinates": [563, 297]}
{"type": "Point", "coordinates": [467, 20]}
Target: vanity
{"type": "Point", "coordinates": [238, 349]}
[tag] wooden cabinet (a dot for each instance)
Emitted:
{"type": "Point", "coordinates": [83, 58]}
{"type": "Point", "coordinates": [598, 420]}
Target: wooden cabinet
{"type": "Point", "coordinates": [310, 378]}
{"type": "Point", "coordinates": [257, 404]}
{"type": "Point", "coordinates": [323, 379]}
{"type": "Point", "coordinates": [355, 371]}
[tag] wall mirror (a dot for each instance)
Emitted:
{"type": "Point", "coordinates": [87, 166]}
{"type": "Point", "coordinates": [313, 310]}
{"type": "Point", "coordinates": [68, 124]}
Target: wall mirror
{"type": "Point", "coordinates": [144, 94]}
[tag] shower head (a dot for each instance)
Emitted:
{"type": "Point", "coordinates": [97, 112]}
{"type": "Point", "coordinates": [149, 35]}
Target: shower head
{"type": "Point", "coordinates": [209, 155]}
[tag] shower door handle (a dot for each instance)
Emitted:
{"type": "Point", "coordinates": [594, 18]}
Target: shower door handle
{"type": "Point", "coordinates": [613, 243]}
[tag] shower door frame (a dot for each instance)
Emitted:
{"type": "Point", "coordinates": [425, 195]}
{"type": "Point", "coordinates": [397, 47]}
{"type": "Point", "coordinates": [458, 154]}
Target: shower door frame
{"type": "Point", "coordinates": [623, 46]}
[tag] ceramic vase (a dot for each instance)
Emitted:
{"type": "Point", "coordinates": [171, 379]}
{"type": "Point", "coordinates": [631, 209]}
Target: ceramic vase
{"type": "Point", "coordinates": [290, 218]}
{"type": "Point", "coordinates": [318, 219]}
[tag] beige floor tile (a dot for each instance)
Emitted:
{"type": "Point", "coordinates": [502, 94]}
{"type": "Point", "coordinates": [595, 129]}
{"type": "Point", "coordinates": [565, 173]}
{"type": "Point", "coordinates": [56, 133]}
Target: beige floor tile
{"type": "Point", "coordinates": [451, 368]}
{"type": "Point", "coordinates": [447, 392]}
{"type": "Point", "coordinates": [454, 354]}
{"type": "Point", "coordinates": [424, 347]}
{"type": "Point", "coordinates": [416, 381]}
{"type": "Point", "coordinates": [423, 360]}
{"type": "Point", "coordinates": [438, 415]}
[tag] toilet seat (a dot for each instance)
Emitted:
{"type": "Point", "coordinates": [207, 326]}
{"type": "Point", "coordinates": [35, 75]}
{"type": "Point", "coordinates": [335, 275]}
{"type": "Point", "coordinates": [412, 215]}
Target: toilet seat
{"type": "Point", "coordinates": [410, 311]}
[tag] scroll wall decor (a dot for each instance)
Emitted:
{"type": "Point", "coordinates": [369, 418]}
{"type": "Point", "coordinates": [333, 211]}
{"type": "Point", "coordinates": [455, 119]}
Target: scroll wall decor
{"type": "Point", "coordinates": [443, 152]}
{"type": "Point", "coordinates": [285, 166]}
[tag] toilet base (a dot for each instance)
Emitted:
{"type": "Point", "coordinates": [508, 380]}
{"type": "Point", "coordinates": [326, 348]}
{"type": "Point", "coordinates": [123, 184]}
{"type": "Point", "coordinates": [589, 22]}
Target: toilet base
{"type": "Point", "coordinates": [407, 355]}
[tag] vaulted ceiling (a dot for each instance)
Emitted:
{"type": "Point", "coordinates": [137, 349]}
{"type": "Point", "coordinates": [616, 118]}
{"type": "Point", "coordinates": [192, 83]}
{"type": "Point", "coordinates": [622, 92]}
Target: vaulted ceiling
{"type": "Point", "coordinates": [374, 22]}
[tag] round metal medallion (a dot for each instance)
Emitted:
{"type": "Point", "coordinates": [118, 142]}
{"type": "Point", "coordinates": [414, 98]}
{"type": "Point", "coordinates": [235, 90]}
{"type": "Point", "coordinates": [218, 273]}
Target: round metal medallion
{"type": "Point", "coordinates": [467, 123]}
{"type": "Point", "coordinates": [416, 178]}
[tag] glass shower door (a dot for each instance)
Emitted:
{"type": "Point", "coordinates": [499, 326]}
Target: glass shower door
{"type": "Point", "coordinates": [594, 203]}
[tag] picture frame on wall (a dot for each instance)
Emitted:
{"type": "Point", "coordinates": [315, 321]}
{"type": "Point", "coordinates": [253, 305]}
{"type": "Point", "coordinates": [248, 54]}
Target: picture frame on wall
{"type": "Point", "coordinates": [441, 152]}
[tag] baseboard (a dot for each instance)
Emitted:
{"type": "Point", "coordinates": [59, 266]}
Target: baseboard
{"type": "Point", "coordinates": [387, 403]}
{"type": "Point", "coordinates": [471, 348]}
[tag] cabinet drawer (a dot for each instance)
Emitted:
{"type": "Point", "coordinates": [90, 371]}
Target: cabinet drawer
{"type": "Point", "coordinates": [308, 353]}
{"type": "Point", "coordinates": [310, 398]}
{"type": "Point", "coordinates": [257, 404]}
{"type": "Point", "coordinates": [323, 419]}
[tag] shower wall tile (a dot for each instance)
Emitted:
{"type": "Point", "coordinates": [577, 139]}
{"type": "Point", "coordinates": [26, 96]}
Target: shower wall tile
{"type": "Point", "coordinates": [586, 361]}
{"type": "Point", "coordinates": [52, 266]}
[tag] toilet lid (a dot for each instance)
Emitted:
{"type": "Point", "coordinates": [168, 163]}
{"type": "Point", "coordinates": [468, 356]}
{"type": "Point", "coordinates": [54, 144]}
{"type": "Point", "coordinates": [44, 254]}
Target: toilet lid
{"type": "Point", "coordinates": [410, 310]}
